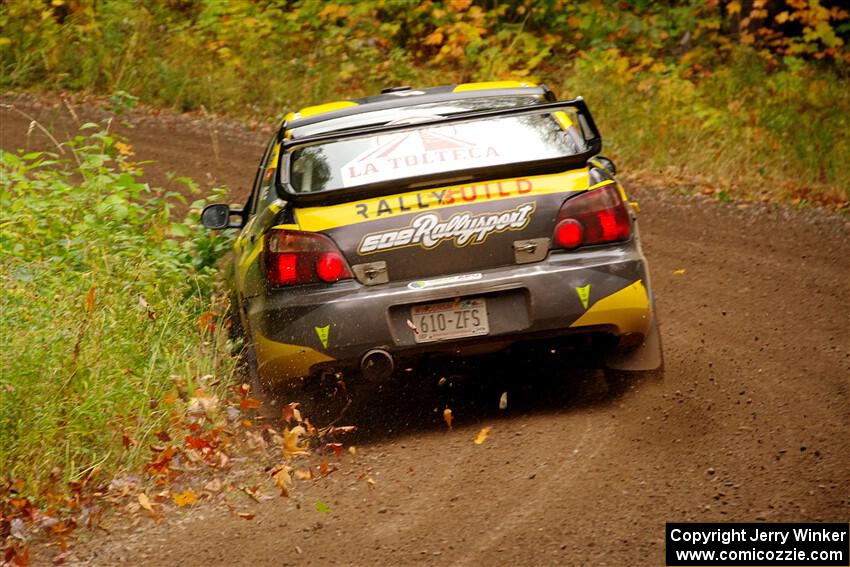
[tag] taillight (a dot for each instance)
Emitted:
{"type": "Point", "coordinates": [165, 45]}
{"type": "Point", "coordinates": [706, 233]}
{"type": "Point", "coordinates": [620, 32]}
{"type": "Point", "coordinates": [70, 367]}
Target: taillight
{"type": "Point", "coordinates": [292, 257]}
{"type": "Point", "coordinates": [595, 217]}
{"type": "Point", "coordinates": [569, 234]}
{"type": "Point", "coordinates": [330, 267]}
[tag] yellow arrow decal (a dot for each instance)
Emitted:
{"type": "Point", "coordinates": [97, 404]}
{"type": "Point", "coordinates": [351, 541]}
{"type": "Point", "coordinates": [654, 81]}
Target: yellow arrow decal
{"type": "Point", "coordinates": [584, 295]}
{"type": "Point", "coordinates": [323, 333]}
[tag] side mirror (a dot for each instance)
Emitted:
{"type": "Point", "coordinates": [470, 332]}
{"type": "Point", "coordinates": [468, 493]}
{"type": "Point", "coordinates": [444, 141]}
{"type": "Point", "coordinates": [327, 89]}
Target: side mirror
{"type": "Point", "coordinates": [607, 164]}
{"type": "Point", "coordinates": [217, 217]}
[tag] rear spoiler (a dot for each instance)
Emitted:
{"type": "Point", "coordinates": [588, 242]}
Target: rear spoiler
{"type": "Point", "coordinates": [535, 167]}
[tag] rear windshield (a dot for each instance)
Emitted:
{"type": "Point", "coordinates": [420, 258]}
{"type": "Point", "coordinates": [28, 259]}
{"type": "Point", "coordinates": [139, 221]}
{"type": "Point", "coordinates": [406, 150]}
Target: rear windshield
{"type": "Point", "coordinates": [434, 149]}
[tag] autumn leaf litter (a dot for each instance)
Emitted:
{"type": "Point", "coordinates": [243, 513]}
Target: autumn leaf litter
{"type": "Point", "coordinates": [222, 452]}
{"type": "Point", "coordinates": [219, 452]}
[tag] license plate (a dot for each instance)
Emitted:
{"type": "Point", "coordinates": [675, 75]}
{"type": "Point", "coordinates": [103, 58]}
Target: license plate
{"type": "Point", "coordinates": [450, 320]}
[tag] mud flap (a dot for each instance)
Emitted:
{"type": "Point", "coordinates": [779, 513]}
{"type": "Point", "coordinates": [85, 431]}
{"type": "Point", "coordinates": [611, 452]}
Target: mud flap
{"type": "Point", "coordinates": [648, 356]}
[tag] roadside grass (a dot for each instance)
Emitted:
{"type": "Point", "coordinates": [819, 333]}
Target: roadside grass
{"type": "Point", "coordinates": [109, 307]}
{"type": "Point", "coordinates": [741, 132]}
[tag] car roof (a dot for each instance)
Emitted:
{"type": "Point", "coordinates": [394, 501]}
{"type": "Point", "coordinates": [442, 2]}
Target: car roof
{"type": "Point", "coordinates": [399, 97]}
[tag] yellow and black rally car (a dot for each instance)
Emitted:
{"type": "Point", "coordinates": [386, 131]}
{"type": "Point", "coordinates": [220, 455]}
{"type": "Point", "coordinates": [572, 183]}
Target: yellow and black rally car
{"type": "Point", "coordinates": [457, 219]}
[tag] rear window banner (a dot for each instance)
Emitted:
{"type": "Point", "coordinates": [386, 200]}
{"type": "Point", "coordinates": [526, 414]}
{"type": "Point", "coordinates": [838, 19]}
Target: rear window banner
{"type": "Point", "coordinates": [428, 150]}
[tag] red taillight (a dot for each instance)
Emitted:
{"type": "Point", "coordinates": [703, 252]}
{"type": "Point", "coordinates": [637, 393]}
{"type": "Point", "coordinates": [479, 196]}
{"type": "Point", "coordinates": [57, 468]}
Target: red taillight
{"type": "Point", "coordinates": [283, 268]}
{"type": "Point", "coordinates": [292, 257]}
{"type": "Point", "coordinates": [595, 217]}
{"type": "Point", "coordinates": [569, 234]}
{"type": "Point", "coordinates": [330, 267]}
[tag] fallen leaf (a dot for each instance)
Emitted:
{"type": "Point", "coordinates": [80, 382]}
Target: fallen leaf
{"type": "Point", "coordinates": [322, 507]}
{"type": "Point", "coordinates": [22, 505]}
{"type": "Point", "coordinates": [197, 443]}
{"type": "Point", "coordinates": [291, 412]}
{"type": "Point", "coordinates": [447, 417]}
{"type": "Point", "coordinates": [17, 529]}
{"type": "Point", "coordinates": [16, 554]}
{"type": "Point", "coordinates": [352, 450]}
{"type": "Point", "coordinates": [213, 485]}
{"type": "Point", "coordinates": [161, 465]}
{"type": "Point", "coordinates": [304, 474]}
{"type": "Point", "coordinates": [245, 515]}
{"type": "Point", "coordinates": [185, 498]}
{"type": "Point", "coordinates": [62, 529]}
{"type": "Point", "coordinates": [326, 469]}
{"type": "Point", "coordinates": [201, 404]}
{"type": "Point", "coordinates": [335, 447]}
{"type": "Point", "coordinates": [679, 272]}
{"type": "Point", "coordinates": [145, 502]}
{"type": "Point", "coordinates": [503, 401]}
{"type": "Point", "coordinates": [282, 480]}
{"type": "Point", "coordinates": [248, 403]}
{"type": "Point", "coordinates": [291, 448]}
{"type": "Point", "coordinates": [482, 435]}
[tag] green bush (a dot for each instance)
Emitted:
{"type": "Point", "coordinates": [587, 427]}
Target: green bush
{"type": "Point", "coordinates": [102, 294]}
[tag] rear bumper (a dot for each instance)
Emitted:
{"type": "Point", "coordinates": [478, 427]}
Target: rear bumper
{"type": "Point", "coordinates": [299, 330]}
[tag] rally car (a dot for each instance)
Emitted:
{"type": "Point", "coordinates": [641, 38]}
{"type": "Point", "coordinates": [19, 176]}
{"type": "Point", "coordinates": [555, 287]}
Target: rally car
{"type": "Point", "coordinates": [450, 220]}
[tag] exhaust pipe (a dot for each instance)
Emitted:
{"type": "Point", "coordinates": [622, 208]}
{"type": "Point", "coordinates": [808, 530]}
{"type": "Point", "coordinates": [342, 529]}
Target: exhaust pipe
{"type": "Point", "coordinates": [377, 364]}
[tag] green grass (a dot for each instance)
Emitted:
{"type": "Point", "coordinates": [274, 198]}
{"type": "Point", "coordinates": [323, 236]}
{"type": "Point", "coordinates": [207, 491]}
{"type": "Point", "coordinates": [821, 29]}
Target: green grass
{"type": "Point", "coordinates": [101, 295]}
{"type": "Point", "coordinates": [743, 130]}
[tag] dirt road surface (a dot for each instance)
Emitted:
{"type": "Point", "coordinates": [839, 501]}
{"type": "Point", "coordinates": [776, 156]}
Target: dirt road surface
{"type": "Point", "coordinates": [749, 424]}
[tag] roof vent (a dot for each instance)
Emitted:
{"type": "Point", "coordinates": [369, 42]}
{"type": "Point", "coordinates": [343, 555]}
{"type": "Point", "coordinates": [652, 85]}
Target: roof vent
{"type": "Point", "coordinates": [395, 89]}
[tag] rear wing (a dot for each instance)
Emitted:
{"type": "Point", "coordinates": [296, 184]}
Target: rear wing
{"type": "Point", "coordinates": [587, 127]}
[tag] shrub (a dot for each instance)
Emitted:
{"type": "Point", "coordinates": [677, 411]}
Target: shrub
{"type": "Point", "coordinates": [102, 294]}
